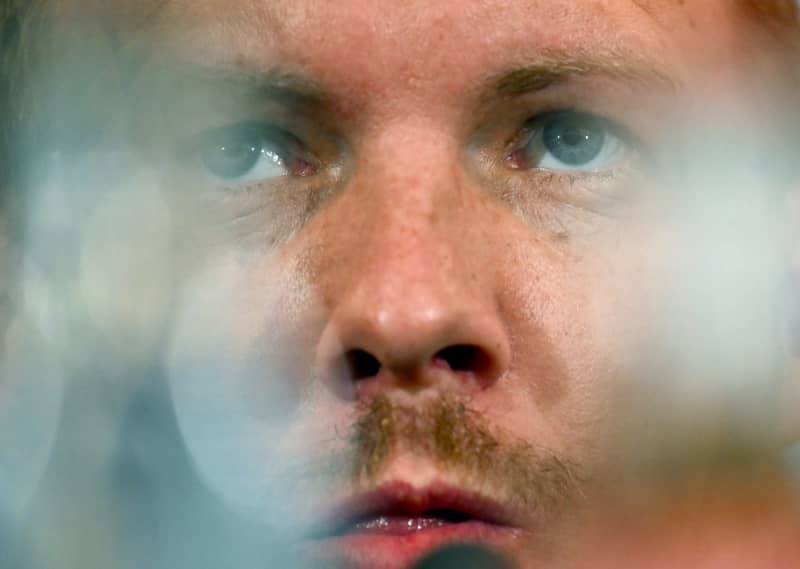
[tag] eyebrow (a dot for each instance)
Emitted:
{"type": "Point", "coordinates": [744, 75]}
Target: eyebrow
{"type": "Point", "coordinates": [560, 68]}
{"type": "Point", "coordinates": [288, 88]}
{"type": "Point", "coordinates": [276, 84]}
{"type": "Point", "coordinates": [295, 90]}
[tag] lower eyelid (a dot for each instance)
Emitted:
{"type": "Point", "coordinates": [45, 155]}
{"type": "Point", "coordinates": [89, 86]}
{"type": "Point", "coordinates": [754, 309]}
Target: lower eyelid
{"type": "Point", "coordinates": [614, 185]}
{"type": "Point", "coordinates": [601, 193]}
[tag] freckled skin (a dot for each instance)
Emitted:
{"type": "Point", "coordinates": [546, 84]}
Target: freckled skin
{"type": "Point", "coordinates": [415, 251]}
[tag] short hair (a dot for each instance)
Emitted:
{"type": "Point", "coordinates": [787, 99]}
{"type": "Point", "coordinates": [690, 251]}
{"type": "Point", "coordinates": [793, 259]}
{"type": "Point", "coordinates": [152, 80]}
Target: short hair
{"type": "Point", "coordinates": [783, 12]}
{"type": "Point", "coordinates": [11, 17]}
{"type": "Point", "coordinates": [17, 39]}
{"type": "Point", "coordinates": [41, 67]}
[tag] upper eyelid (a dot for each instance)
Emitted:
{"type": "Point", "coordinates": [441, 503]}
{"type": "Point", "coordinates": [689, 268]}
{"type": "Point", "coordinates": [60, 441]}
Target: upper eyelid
{"type": "Point", "coordinates": [533, 124]}
{"type": "Point", "coordinates": [533, 127]}
{"type": "Point", "coordinates": [273, 133]}
{"type": "Point", "coordinates": [536, 122]}
{"type": "Point", "coordinates": [288, 144]}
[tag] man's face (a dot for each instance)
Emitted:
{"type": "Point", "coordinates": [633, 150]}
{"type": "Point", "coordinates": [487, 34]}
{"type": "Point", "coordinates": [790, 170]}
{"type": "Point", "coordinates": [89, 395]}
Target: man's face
{"type": "Point", "coordinates": [428, 231]}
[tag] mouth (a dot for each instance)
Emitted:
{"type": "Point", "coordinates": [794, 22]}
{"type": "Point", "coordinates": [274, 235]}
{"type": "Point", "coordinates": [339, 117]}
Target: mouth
{"type": "Point", "coordinates": [393, 526]}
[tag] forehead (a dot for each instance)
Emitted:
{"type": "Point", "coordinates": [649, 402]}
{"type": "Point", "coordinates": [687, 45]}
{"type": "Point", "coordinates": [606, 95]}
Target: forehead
{"type": "Point", "coordinates": [416, 41]}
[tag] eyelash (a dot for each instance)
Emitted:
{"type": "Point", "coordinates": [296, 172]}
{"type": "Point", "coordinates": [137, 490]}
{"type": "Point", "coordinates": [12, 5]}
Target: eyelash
{"type": "Point", "coordinates": [288, 148]}
{"type": "Point", "coordinates": [536, 123]}
{"type": "Point", "coordinates": [301, 163]}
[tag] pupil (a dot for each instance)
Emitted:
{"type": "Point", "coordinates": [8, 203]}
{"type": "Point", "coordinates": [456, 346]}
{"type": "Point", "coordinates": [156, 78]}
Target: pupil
{"type": "Point", "coordinates": [232, 159]}
{"type": "Point", "coordinates": [574, 142]}
{"type": "Point", "coordinates": [573, 138]}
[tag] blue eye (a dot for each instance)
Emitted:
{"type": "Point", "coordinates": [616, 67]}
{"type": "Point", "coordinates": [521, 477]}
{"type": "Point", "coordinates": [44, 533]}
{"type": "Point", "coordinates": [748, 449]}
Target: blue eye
{"type": "Point", "coordinates": [245, 153]}
{"type": "Point", "coordinates": [572, 142]}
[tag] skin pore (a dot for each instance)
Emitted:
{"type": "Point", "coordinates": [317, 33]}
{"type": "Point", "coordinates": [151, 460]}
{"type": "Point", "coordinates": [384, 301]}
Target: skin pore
{"type": "Point", "coordinates": [387, 243]}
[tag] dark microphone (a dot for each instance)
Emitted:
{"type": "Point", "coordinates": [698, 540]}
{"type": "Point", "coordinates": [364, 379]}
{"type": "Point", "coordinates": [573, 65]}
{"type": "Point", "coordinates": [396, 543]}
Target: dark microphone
{"type": "Point", "coordinates": [463, 556]}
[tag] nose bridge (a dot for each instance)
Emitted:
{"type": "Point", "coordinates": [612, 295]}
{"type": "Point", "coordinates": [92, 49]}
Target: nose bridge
{"type": "Point", "coordinates": [415, 166]}
{"type": "Point", "coordinates": [409, 297]}
{"type": "Point", "coordinates": [418, 211]}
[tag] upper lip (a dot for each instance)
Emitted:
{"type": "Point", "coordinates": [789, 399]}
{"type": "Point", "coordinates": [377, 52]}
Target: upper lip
{"type": "Point", "coordinates": [400, 498]}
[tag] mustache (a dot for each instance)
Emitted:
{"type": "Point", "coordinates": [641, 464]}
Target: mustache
{"type": "Point", "coordinates": [447, 432]}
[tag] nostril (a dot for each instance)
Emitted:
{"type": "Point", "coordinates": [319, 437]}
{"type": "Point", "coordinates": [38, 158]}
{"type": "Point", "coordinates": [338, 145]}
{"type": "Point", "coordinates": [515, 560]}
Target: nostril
{"type": "Point", "coordinates": [463, 358]}
{"type": "Point", "coordinates": [362, 364]}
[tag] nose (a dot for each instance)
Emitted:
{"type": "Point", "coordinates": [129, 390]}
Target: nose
{"type": "Point", "coordinates": [411, 343]}
{"type": "Point", "coordinates": [413, 308]}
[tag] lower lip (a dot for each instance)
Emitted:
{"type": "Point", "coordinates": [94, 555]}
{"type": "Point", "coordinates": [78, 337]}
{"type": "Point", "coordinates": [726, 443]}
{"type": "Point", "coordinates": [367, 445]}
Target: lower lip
{"type": "Point", "coordinates": [397, 542]}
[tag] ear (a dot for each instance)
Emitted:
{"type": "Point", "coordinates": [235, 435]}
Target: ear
{"type": "Point", "coordinates": [10, 261]}
{"type": "Point", "coordinates": [5, 272]}
{"type": "Point", "coordinates": [790, 324]}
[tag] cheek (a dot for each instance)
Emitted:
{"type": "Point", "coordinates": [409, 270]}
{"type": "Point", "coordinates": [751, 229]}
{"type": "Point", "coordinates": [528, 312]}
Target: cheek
{"type": "Point", "coordinates": [32, 382]}
{"type": "Point", "coordinates": [576, 322]}
{"type": "Point", "coordinates": [234, 398]}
